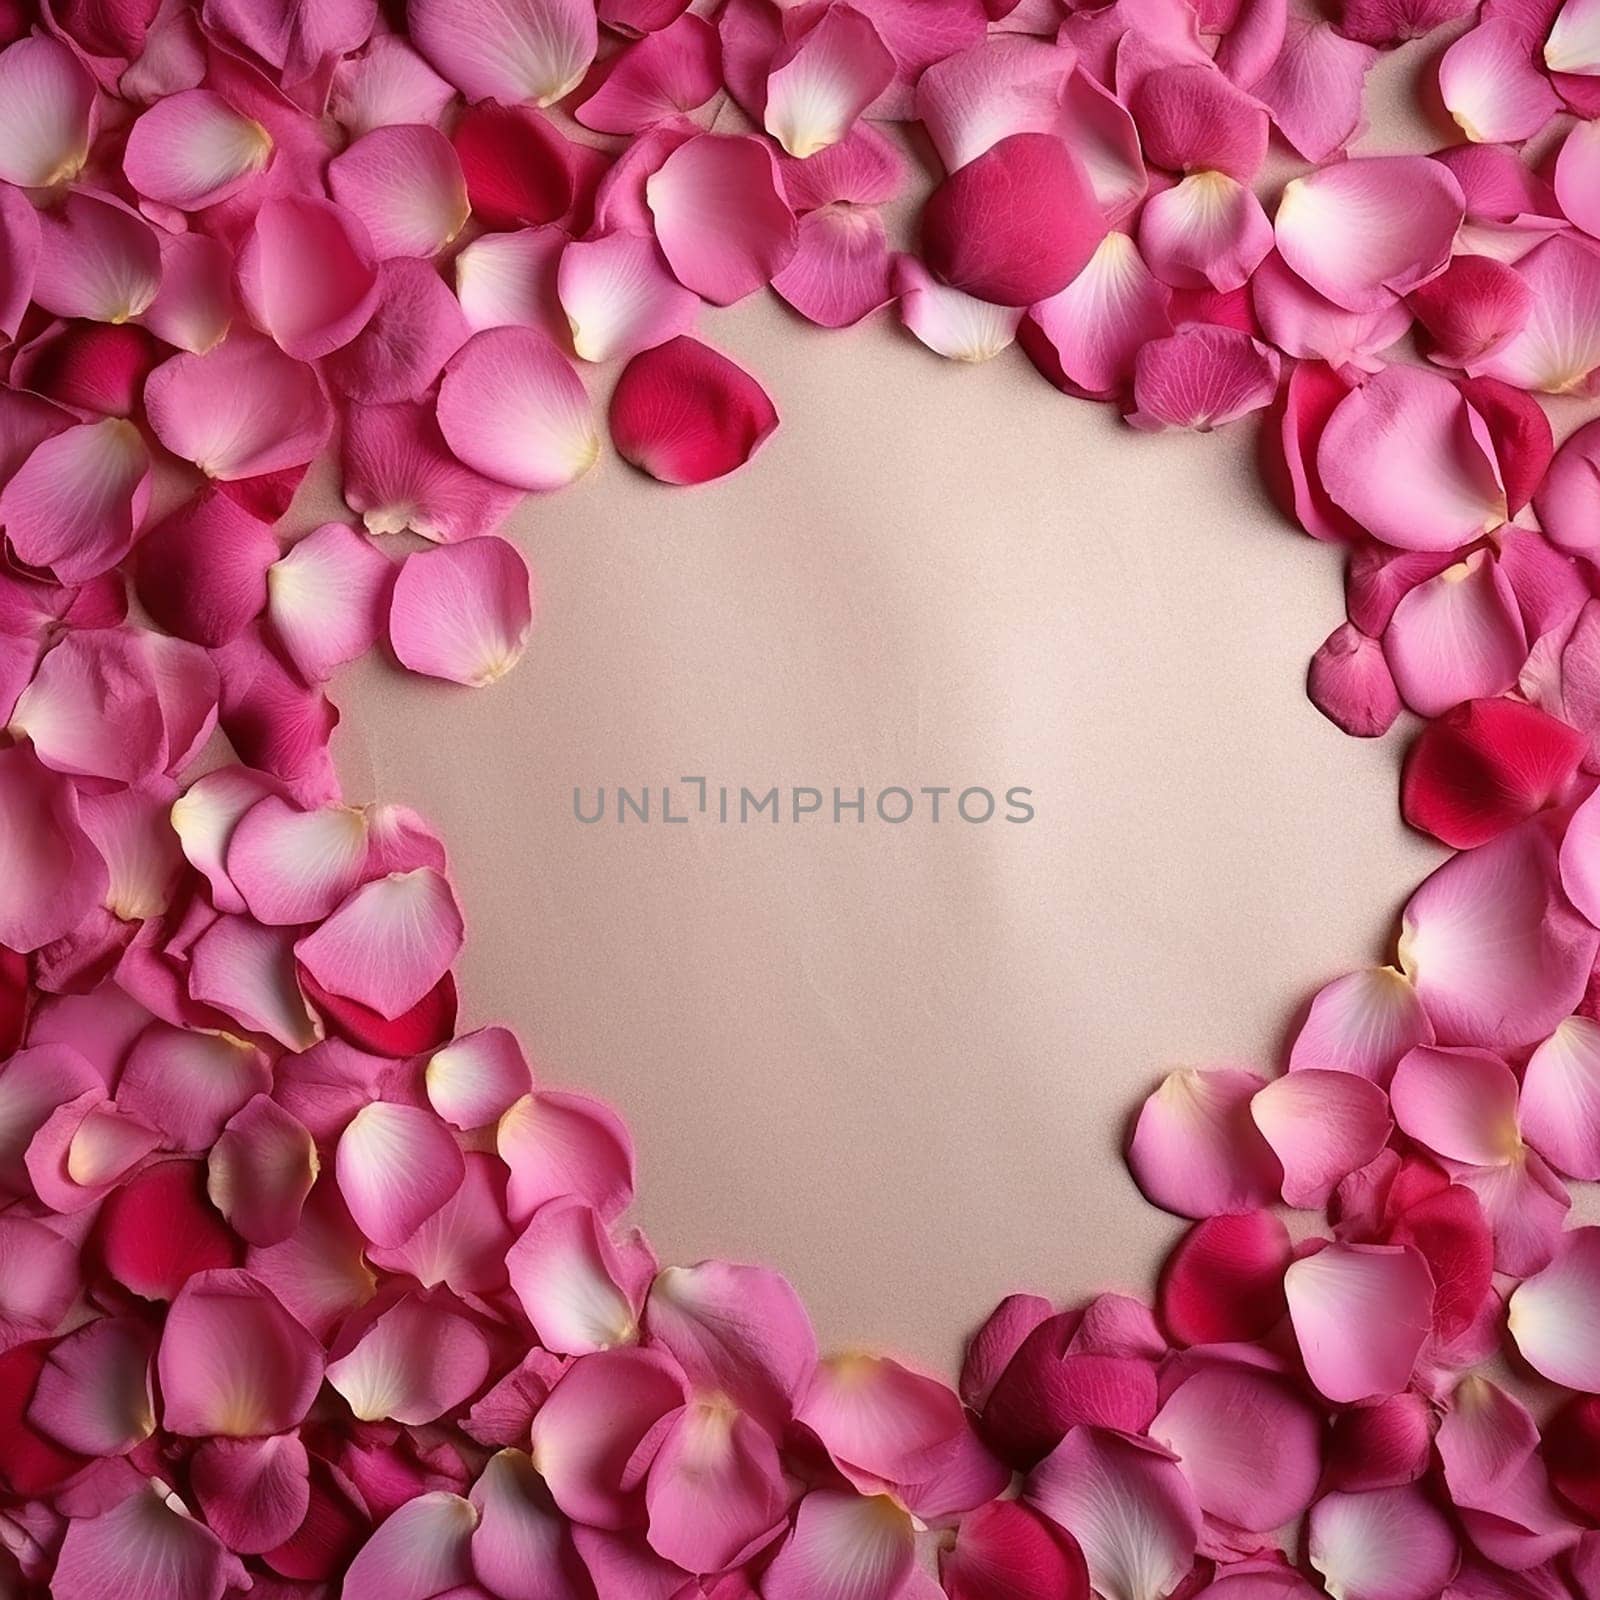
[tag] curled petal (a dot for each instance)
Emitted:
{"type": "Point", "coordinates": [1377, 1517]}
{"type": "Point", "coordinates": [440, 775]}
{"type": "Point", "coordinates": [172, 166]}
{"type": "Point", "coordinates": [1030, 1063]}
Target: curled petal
{"type": "Point", "coordinates": [1411, 461]}
{"type": "Point", "coordinates": [308, 275]}
{"type": "Point", "coordinates": [619, 297]}
{"type": "Point", "coordinates": [412, 1363]}
{"type": "Point", "coordinates": [1388, 1543]}
{"type": "Point", "coordinates": [46, 113]}
{"type": "Point", "coordinates": [423, 1550]}
{"type": "Point", "coordinates": [462, 611]}
{"type": "Point", "coordinates": [510, 279]}
{"type": "Point", "coordinates": [1193, 119]}
{"type": "Point", "coordinates": [533, 50]}
{"type": "Point", "coordinates": [1359, 231]}
{"type": "Point", "coordinates": [969, 102]}
{"type": "Point", "coordinates": [1558, 347]}
{"type": "Point", "coordinates": [247, 972]}
{"type": "Point", "coordinates": [517, 166]}
{"type": "Point", "coordinates": [665, 74]}
{"type": "Point", "coordinates": [823, 78]}
{"type": "Point", "coordinates": [1016, 225]}
{"type": "Point", "coordinates": [1223, 1283]}
{"type": "Point", "coordinates": [720, 216]}
{"type": "Point", "coordinates": [512, 408]}
{"type": "Point", "coordinates": [1207, 231]}
{"type": "Point", "coordinates": [54, 875]}
{"type": "Point", "coordinates": [261, 1170]}
{"type": "Point", "coordinates": [147, 1544]}
{"type": "Point", "coordinates": [193, 149]}
{"type": "Point", "coordinates": [564, 1144]}
{"type": "Point", "coordinates": [232, 1361]}
{"type": "Point", "coordinates": [1322, 1126]}
{"type": "Point", "coordinates": [949, 322]}
{"type": "Point", "coordinates": [684, 413]}
{"type": "Point", "coordinates": [1197, 1152]}
{"type": "Point", "coordinates": [396, 1166]}
{"type": "Point", "coordinates": [843, 1547]}
{"type": "Point", "coordinates": [1363, 1023]}
{"type": "Point", "coordinates": [1307, 325]}
{"type": "Point", "coordinates": [326, 600]}
{"type": "Point", "coordinates": [1491, 87]}
{"type": "Point", "coordinates": [404, 185]}
{"type": "Point", "coordinates": [1496, 955]}
{"type": "Point", "coordinates": [1201, 377]}
{"type": "Point", "coordinates": [522, 1544]}
{"type": "Point", "coordinates": [477, 1078]}
{"type": "Point", "coordinates": [1098, 127]}
{"type": "Point", "coordinates": [1559, 1113]}
{"type": "Point", "coordinates": [240, 410]}
{"type": "Point", "coordinates": [1554, 1316]}
{"type": "Point", "coordinates": [19, 258]}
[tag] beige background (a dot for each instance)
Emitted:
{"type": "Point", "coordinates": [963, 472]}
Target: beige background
{"type": "Point", "coordinates": [899, 1063]}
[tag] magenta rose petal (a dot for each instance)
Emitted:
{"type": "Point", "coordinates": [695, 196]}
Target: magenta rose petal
{"type": "Point", "coordinates": [665, 74]}
{"type": "Point", "coordinates": [1201, 377]}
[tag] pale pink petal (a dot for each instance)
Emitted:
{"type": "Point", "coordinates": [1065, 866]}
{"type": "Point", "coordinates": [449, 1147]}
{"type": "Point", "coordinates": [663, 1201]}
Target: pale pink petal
{"type": "Point", "coordinates": [1314, 88]}
{"type": "Point", "coordinates": [843, 1547]}
{"type": "Point", "coordinates": [1322, 1126]}
{"type": "Point", "coordinates": [1127, 1504]}
{"type": "Point", "coordinates": [1496, 954]}
{"type": "Point", "coordinates": [420, 1552]}
{"type": "Point", "coordinates": [533, 50]}
{"type": "Point", "coordinates": [1224, 1280]}
{"type": "Point", "coordinates": [841, 270]}
{"type": "Point", "coordinates": [404, 185]}
{"type": "Point", "coordinates": [193, 149]}
{"type": "Point", "coordinates": [387, 84]}
{"type": "Point", "coordinates": [735, 1330]}
{"type": "Point", "coordinates": [327, 599]}
{"type": "Point", "coordinates": [307, 275]}
{"type": "Point", "coordinates": [1201, 377]}
{"type": "Point", "coordinates": [204, 817]}
{"type": "Point", "coordinates": [1386, 1544]}
{"type": "Point", "coordinates": [619, 297]}
{"type": "Point", "coordinates": [46, 113]}
{"type": "Point", "coordinates": [1411, 461]}
{"type": "Point", "coordinates": [320, 1271]}
{"type": "Point", "coordinates": [1249, 1443]}
{"type": "Point", "coordinates": [1384, 1290]}
{"type": "Point", "coordinates": [19, 257]}
{"type": "Point", "coordinates": [971, 101]}
{"type": "Point", "coordinates": [1456, 637]}
{"type": "Point", "coordinates": [571, 1282]}
{"type": "Point", "coordinates": [684, 413]}
{"type": "Point", "coordinates": [1016, 225]}
{"type": "Point", "coordinates": [585, 1435]}
{"type": "Point", "coordinates": [188, 1084]}
{"type": "Point", "coordinates": [396, 1166]}
{"type": "Point", "coordinates": [823, 77]}
{"type": "Point", "coordinates": [518, 167]}
{"type": "Point", "coordinates": [94, 1394]}
{"type": "Point", "coordinates": [52, 874]}
{"type": "Point", "coordinates": [1568, 500]}
{"type": "Point", "coordinates": [400, 353]}
{"type": "Point", "coordinates": [1207, 231]}
{"type": "Point", "coordinates": [512, 408]}
{"type": "Point", "coordinates": [720, 216]}
{"type": "Point", "coordinates": [1197, 1152]}
{"type": "Point", "coordinates": [247, 971]}
{"type": "Point", "coordinates": [477, 1078]}
{"type": "Point", "coordinates": [147, 1544]}
{"type": "Point", "coordinates": [564, 1144]}
{"type": "Point", "coordinates": [510, 279]}
{"type": "Point", "coordinates": [84, 1149]}
{"type": "Point", "coordinates": [1363, 1023]}
{"type": "Point", "coordinates": [463, 1244]}
{"type": "Point", "coordinates": [240, 410]}
{"type": "Point", "coordinates": [1558, 348]}
{"type": "Point", "coordinates": [1492, 88]}
{"type": "Point", "coordinates": [950, 323]}
{"type": "Point", "coordinates": [294, 866]}
{"type": "Point", "coordinates": [202, 572]}
{"type": "Point", "coordinates": [462, 611]}
{"type": "Point", "coordinates": [1360, 231]}
{"type": "Point", "coordinates": [389, 943]}
{"type": "Point", "coordinates": [413, 1363]}
{"type": "Point", "coordinates": [522, 1546]}
{"type": "Point", "coordinates": [1559, 1113]}
{"type": "Point", "coordinates": [1554, 1316]}
{"type": "Point", "coordinates": [1085, 338]}
{"type": "Point", "coordinates": [132, 831]}
{"type": "Point", "coordinates": [76, 504]}
{"type": "Point", "coordinates": [194, 305]}
{"type": "Point", "coordinates": [261, 1170]}
{"type": "Point", "coordinates": [1303, 323]}
{"type": "Point", "coordinates": [1577, 172]}
{"type": "Point", "coordinates": [232, 1361]}
{"type": "Point", "coordinates": [663, 75]}
{"type": "Point", "coordinates": [1461, 1104]}
{"type": "Point", "coordinates": [1098, 127]}
{"type": "Point", "coordinates": [254, 1493]}
{"type": "Point", "coordinates": [1191, 118]}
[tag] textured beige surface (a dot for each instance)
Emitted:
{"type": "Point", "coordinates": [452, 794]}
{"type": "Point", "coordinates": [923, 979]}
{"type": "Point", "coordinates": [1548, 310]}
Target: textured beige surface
{"type": "Point", "coordinates": [898, 1062]}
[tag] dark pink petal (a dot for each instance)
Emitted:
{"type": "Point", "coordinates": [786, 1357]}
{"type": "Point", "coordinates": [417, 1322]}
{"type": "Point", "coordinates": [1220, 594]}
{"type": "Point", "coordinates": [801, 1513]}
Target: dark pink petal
{"type": "Point", "coordinates": [1192, 119]}
{"type": "Point", "coordinates": [1303, 323]}
{"type": "Point", "coordinates": [843, 1547]}
{"type": "Point", "coordinates": [518, 167]}
{"type": "Point", "coordinates": [1223, 1283]}
{"type": "Point", "coordinates": [533, 50]}
{"type": "Point", "coordinates": [1361, 230]}
{"type": "Point", "coordinates": [405, 186]}
{"type": "Point", "coordinates": [841, 270]}
{"type": "Point", "coordinates": [192, 150]}
{"type": "Point", "coordinates": [327, 600]}
{"type": "Point", "coordinates": [1558, 347]}
{"type": "Point", "coordinates": [194, 305]}
{"type": "Point", "coordinates": [158, 1231]}
{"type": "Point", "coordinates": [720, 216]}
{"type": "Point", "coordinates": [664, 75]}
{"type": "Point", "coordinates": [462, 611]}
{"type": "Point", "coordinates": [241, 410]}
{"type": "Point", "coordinates": [1386, 1544]}
{"type": "Point", "coordinates": [273, 720]}
{"type": "Point", "coordinates": [46, 113]}
{"type": "Point", "coordinates": [400, 475]}
{"type": "Point", "coordinates": [1196, 1150]}
{"type": "Point", "coordinates": [686, 414]}
{"type": "Point", "coordinates": [94, 1394]}
{"type": "Point", "coordinates": [1569, 1450]}
{"type": "Point", "coordinates": [619, 298]}
{"type": "Point", "coordinates": [55, 876]}
{"type": "Point", "coordinates": [1129, 1507]}
{"type": "Point", "coordinates": [1559, 1113]}
{"type": "Point", "coordinates": [147, 1544]}
{"type": "Point", "coordinates": [400, 353]}
{"type": "Point", "coordinates": [232, 1361]}
{"type": "Point", "coordinates": [308, 275]}
{"type": "Point", "coordinates": [254, 1493]}
{"type": "Point", "coordinates": [1381, 1446]}
{"type": "Point", "coordinates": [1307, 400]}
{"type": "Point", "coordinates": [1004, 1549]}
{"type": "Point", "coordinates": [1201, 377]}
{"type": "Point", "coordinates": [202, 572]}
{"type": "Point", "coordinates": [634, 17]}
{"type": "Point", "coordinates": [1016, 225]}
{"type": "Point", "coordinates": [415, 1361]}
{"type": "Point", "coordinates": [512, 408]}
{"type": "Point", "coordinates": [1491, 86]}
{"type": "Point", "coordinates": [96, 367]}
{"type": "Point", "coordinates": [19, 257]}
{"type": "Point", "coordinates": [421, 1552]}
{"type": "Point", "coordinates": [300, 43]}
{"type": "Point", "coordinates": [522, 1545]}
{"type": "Point", "coordinates": [826, 72]}
{"type": "Point", "coordinates": [1207, 231]}
{"type": "Point", "coordinates": [387, 84]}
{"type": "Point", "coordinates": [1412, 462]}
{"type": "Point", "coordinates": [1314, 88]}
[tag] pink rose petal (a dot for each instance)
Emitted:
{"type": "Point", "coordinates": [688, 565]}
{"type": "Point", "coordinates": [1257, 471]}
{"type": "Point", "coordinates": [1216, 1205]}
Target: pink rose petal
{"type": "Point", "coordinates": [327, 599]}
{"type": "Point", "coordinates": [518, 167]}
{"type": "Point", "coordinates": [950, 323]}
{"type": "Point", "coordinates": [477, 1078]}
{"type": "Point", "coordinates": [1362, 1023]}
{"type": "Point", "coordinates": [1196, 1150]}
{"type": "Point", "coordinates": [665, 74]}
{"type": "Point", "coordinates": [1387, 1544]}
{"type": "Point", "coordinates": [187, 1085]}
{"type": "Point", "coordinates": [1201, 377]}
{"type": "Point", "coordinates": [423, 1550]}
{"type": "Point", "coordinates": [254, 1493]}
{"type": "Point", "coordinates": [97, 259]}
{"type": "Point", "coordinates": [572, 1282]}
{"type": "Point", "coordinates": [522, 1545]}
{"type": "Point", "coordinates": [1223, 1283]}
{"type": "Point", "coordinates": [841, 270]}
{"type": "Point", "coordinates": [404, 185]}
{"type": "Point", "coordinates": [192, 150]}
{"type": "Point", "coordinates": [1554, 1316]}
{"type": "Point", "coordinates": [619, 297]}
{"type": "Point", "coordinates": [510, 279]}
{"type": "Point", "coordinates": [463, 1245]}
{"type": "Point", "coordinates": [247, 971]}
{"type": "Point", "coordinates": [1322, 1126]}
{"type": "Point", "coordinates": [261, 1170]}
{"type": "Point", "coordinates": [1303, 323]}
{"type": "Point", "coordinates": [1193, 119]}
{"type": "Point", "coordinates": [94, 1392]}
{"type": "Point", "coordinates": [396, 1165]}
{"type": "Point", "coordinates": [1492, 88]}
{"type": "Point", "coordinates": [148, 1543]}
{"type": "Point", "coordinates": [969, 102]}
{"type": "Point", "coordinates": [1558, 348]}
{"type": "Point", "coordinates": [825, 74]}
{"type": "Point", "coordinates": [1003, 1548]}
{"type": "Point", "coordinates": [843, 1547]}
{"type": "Point", "coordinates": [202, 572]}
{"type": "Point", "coordinates": [400, 353]}
{"type": "Point", "coordinates": [194, 306]}
{"type": "Point", "coordinates": [19, 258]}
{"type": "Point", "coordinates": [533, 50]}
{"type": "Point", "coordinates": [412, 1363]}
{"type": "Point", "coordinates": [386, 85]}
{"type": "Point", "coordinates": [54, 875]}
{"type": "Point", "coordinates": [1207, 231]}
{"type": "Point", "coordinates": [46, 113]}
{"type": "Point", "coordinates": [462, 611]}
{"type": "Point", "coordinates": [1559, 1114]}
{"type": "Point", "coordinates": [1314, 88]}
{"type": "Point", "coordinates": [560, 1144]}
